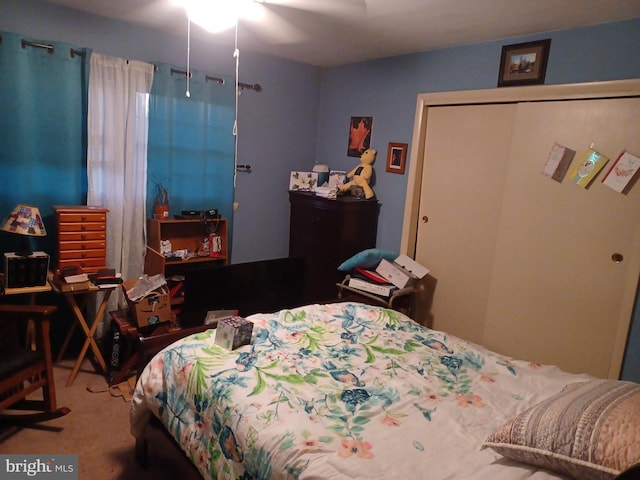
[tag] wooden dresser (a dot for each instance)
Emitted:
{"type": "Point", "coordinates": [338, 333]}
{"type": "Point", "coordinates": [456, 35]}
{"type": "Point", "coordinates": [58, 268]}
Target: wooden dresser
{"type": "Point", "coordinates": [326, 232]}
{"type": "Point", "coordinates": [82, 237]}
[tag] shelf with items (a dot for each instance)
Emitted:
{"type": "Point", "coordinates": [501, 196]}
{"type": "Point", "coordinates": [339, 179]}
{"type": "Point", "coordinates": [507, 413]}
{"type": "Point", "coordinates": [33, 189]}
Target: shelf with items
{"type": "Point", "coordinates": [189, 235]}
{"type": "Point", "coordinates": [402, 299]}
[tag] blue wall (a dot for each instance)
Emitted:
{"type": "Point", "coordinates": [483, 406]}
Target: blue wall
{"type": "Point", "coordinates": [277, 127]}
{"type": "Point", "coordinates": [303, 113]}
{"type": "Point", "coordinates": [387, 90]}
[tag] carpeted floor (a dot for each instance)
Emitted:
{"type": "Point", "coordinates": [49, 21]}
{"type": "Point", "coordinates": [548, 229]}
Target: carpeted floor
{"type": "Point", "coordinates": [97, 430]}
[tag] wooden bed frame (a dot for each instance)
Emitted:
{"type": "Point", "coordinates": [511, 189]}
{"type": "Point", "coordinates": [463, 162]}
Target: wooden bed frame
{"type": "Point", "coordinates": [147, 348]}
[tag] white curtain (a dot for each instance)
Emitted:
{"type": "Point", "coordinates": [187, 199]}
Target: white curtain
{"type": "Point", "coordinates": [117, 157]}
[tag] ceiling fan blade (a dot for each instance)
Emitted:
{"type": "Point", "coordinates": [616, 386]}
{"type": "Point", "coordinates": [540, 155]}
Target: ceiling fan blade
{"type": "Point", "coordinates": [327, 7]}
{"type": "Point", "coordinates": [273, 27]}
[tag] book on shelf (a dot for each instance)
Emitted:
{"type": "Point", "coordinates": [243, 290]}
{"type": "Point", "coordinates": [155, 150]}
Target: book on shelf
{"type": "Point", "coordinates": [382, 289]}
{"type": "Point", "coordinates": [369, 275]}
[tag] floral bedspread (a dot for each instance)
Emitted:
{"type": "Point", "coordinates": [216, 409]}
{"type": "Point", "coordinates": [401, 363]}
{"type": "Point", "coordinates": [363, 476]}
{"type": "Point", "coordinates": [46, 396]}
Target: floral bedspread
{"type": "Point", "coordinates": [342, 390]}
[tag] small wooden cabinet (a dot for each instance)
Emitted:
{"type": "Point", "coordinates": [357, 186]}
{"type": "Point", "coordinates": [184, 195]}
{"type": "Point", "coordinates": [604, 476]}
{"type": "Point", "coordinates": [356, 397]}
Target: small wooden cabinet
{"type": "Point", "coordinates": [326, 232]}
{"type": "Point", "coordinates": [82, 237]}
{"type": "Point", "coordinates": [189, 234]}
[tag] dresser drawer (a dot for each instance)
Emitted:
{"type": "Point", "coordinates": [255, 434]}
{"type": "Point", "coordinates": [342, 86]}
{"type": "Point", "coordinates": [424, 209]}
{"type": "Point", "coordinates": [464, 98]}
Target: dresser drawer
{"type": "Point", "coordinates": [82, 217]}
{"type": "Point", "coordinates": [82, 236]}
{"type": "Point", "coordinates": [89, 265]}
{"type": "Point", "coordinates": [82, 227]}
{"type": "Point", "coordinates": [83, 254]}
{"type": "Point", "coordinates": [83, 245]}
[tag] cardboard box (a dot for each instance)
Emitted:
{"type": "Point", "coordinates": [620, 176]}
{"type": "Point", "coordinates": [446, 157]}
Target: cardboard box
{"type": "Point", "coordinates": [152, 309]}
{"type": "Point", "coordinates": [233, 332]}
{"type": "Point", "coordinates": [402, 272]}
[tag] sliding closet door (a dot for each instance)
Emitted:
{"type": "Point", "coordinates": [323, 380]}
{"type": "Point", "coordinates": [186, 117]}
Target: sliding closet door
{"type": "Point", "coordinates": [557, 295]}
{"type": "Point", "coordinates": [521, 263]}
{"type": "Point", "coordinates": [465, 166]}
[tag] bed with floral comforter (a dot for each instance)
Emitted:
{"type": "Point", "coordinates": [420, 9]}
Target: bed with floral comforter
{"type": "Point", "coordinates": [341, 390]}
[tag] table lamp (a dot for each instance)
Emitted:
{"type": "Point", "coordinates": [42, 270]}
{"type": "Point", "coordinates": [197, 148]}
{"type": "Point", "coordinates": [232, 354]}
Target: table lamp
{"type": "Point", "coordinates": [24, 220]}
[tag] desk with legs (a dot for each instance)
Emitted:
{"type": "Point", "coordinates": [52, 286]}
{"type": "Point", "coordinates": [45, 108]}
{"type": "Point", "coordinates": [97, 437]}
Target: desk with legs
{"type": "Point", "coordinates": [89, 329]}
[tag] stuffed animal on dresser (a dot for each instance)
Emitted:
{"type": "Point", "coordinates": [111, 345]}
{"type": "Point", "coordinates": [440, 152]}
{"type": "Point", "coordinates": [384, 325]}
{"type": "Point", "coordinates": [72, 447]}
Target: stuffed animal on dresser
{"type": "Point", "coordinates": [360, 176]}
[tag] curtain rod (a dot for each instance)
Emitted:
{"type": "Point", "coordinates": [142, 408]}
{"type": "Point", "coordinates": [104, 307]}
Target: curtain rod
{"type": "Point", "coordinates": [80, 53]}
{"type": "Point", "coordinates": [256, 87]}
{"type": "Point", "coordinates": [220, 81]}
{"type": "Point", "coordinates": [26, 43]}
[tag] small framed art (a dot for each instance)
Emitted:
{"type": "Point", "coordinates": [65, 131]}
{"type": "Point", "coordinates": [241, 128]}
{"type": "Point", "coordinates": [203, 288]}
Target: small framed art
{"type": "Point", "coordinates": [396, 157]}
{"type": "Point", "coordinates": [524, 63]}
{"type": "Point", "coordinates": [359, 135]}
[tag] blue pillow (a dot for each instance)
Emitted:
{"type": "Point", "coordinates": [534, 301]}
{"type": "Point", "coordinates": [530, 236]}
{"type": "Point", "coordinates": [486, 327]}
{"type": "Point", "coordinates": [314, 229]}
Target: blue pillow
{"type": "Point", "coordinates": [367, 259]}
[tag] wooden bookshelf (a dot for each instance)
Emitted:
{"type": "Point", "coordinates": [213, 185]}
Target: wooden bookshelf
{"type": "Point", "coordinates": [189, 234]}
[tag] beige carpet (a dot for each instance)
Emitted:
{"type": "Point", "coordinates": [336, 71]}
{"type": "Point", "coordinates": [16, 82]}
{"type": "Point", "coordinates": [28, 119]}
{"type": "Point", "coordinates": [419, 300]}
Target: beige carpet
{"type": "Point", "coordinates": [97, 430]}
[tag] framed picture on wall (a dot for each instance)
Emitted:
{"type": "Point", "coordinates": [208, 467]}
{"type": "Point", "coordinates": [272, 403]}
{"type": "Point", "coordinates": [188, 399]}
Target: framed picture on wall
{"type": "Point", "coordinates": [396, 157]}
{"type": "Point", "coordinates": [524, 63]}
{"type": "Point", "coordinates": [359, 135]}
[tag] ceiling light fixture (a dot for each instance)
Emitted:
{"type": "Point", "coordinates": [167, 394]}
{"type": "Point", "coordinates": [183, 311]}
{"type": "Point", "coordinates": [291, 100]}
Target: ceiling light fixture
{"type": "Point", "coordinates": [219, 15]}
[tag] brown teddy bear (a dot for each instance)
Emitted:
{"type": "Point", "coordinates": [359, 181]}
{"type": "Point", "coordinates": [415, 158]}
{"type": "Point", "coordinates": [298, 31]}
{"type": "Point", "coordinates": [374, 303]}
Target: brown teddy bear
{"type": "Point", "coordinates": [361, 175]}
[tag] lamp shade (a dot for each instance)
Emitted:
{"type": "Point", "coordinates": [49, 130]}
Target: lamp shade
{"type": "Point", "coordinates": [24, 220]}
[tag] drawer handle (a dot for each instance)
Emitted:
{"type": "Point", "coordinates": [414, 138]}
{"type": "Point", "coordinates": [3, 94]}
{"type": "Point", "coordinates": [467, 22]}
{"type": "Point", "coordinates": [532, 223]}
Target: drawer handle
{"type": "Point", "coordinates": [83, 227]}
{"type": "Point", "coordinates": [83, 236]}
{"type": "Point", "coordinates": [83, 255]}
{"type": "Point", "coordinates": [84, 218]}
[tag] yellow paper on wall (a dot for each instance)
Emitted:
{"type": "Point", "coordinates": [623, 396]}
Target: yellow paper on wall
{"type": "Point", "coordinates": [587, 167]}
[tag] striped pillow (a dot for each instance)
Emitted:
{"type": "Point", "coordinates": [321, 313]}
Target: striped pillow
{"type": "Point", "coordinates": [589, 431]}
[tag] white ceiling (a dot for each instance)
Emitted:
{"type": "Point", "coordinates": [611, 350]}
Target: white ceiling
{"type": "Point", "coordinates": [337, 32]}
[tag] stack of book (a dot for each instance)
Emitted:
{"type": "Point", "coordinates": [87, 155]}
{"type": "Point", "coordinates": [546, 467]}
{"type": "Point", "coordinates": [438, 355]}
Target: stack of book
{"type": "Point", "coordinates": [371, 282]}
{"type": "Point", "coordinates": [388, 276]}
{"type": "Point", "coordinates": [71, 281]}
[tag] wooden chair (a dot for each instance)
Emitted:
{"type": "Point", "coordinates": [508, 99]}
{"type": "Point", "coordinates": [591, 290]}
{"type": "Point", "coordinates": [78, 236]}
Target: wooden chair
{"type": "Point", "coordinates": [24, 371]}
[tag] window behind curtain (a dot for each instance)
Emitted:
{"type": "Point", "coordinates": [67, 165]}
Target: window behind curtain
{"type": "Point", "coordinates": [191, 143]}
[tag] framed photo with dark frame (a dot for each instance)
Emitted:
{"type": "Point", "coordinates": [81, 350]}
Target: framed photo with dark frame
{"type": "Point", "coordinates": [524, 63]}
{"type": "Point", "coordinates": [396, 157]}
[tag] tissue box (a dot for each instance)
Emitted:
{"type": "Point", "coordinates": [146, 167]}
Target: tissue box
{"type": "Point", "coordinates": [233, 332]}
{"type": "Point", "coordinates": [402, 272]}
{"type": "Point", "coordinates": [152, 309]}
